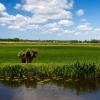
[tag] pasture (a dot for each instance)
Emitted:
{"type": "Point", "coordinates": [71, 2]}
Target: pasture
{"type": "Point", "coordinates": [48, 52]}
{"type": "Point", "coordinates": [57, 59]}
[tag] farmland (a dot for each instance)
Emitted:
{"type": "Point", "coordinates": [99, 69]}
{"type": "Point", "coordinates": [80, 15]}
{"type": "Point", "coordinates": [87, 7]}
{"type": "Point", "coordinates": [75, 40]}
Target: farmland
{"type": "Point", "coordinates": [57, 59]}
{"type": "Point", "coordinates": [60, 53]}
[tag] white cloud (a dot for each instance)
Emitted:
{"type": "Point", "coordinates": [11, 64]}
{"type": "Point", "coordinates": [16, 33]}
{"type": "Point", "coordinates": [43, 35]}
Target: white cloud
{"type": "Point", "coordinates": [2, 7]}
{"type": "Point", "coordinates": [42, 11]}
{"type": "Point", "coordinates": [18, 22]}
{"type": "Point", "coordinates": [67, 31]}
{"type": "Point", "coordinates": [85, 27]}
{"type": "Point", "coordinates": [66, 22]}
{"type": "Point", "coordinates": [68, 4]}
{"type": "Point", "coordinates": [55, 29]}
{"type": "Point", "coordinates": [48, 17]}
{"type": "Point", "coordinates": [18, 6]}
{"type": "Point", "coordinates": [97, 30]}
{"type": "Point", "coordinates": [52, 27]}
{"type": "Point", "coordinates": [6, 19]}
{"type": "Point", "coordinates": [80, 12]}
{"type": "Point", "coordinates": [48, 9]}
{"type": "Point", "coordinates": [37, 19]}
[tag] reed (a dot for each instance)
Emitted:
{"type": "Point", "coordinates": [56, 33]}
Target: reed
{"type": "Point", "coordinates": [76, 70]}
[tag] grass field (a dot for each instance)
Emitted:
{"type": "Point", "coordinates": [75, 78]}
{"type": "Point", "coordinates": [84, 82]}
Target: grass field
{"type": "Point", "coordinates": [48, 52]}
{"type": "Point", "coordinates": [54, 59]}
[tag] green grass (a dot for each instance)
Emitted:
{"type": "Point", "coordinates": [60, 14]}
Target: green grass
{"type": "Point", "coordinates": [62, 53]}
{"type": "Point", "coordinates": [73, 71]}
{"type": "Point", "coordinates": [54, 59]}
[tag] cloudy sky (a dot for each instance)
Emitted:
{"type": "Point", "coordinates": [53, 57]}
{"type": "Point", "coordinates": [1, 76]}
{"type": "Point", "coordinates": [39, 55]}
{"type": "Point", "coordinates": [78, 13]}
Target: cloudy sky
{"type": "Point", "coordinates": [50, 19]}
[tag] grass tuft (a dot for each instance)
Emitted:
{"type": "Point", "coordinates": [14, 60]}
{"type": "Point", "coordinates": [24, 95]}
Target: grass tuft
{"type": "Point", "coordinates": [76, 70]}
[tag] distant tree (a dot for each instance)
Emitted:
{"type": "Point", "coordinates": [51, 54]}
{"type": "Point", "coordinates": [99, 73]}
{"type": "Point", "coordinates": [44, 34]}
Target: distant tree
{"type": "Point", "coordinates": [27, 56]}
{"type": "Point", "coordinates": [16, 39]}
{"type": "Point", "coordinates": [94, 41]}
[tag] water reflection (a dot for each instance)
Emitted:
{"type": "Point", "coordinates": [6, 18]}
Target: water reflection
{"type": "Point", "coordinates": [50, 90]}
{"type": "Point", "coordinates": [78, 85]}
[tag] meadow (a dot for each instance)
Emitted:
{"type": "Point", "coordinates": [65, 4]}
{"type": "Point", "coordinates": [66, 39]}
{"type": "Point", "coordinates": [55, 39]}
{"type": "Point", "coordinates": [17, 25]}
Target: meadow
{"type": "Point", "coordinates": [51, 52]}
{"type": "Point", "coordinates": [48, 52]}
{"type": "Point", "coordinates": [54, 59]}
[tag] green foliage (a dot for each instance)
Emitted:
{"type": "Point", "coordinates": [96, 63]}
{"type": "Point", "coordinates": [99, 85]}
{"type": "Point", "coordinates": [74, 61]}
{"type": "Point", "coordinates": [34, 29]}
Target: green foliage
{"type": "Point", "coordinates": [76, 70]}
{"type": "Point", "coordinates": [20, 54]}
{"type": "Point", "coordinates": [27, 56]}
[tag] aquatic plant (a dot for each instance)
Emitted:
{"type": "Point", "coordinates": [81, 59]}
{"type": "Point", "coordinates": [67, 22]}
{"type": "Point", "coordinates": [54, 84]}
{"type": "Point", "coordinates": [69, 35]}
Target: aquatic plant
{"type": "Point", "coordinates": [73, 71]}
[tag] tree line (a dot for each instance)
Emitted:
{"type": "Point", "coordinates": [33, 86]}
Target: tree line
{"type": "Point", "coordinates": [54, 41]}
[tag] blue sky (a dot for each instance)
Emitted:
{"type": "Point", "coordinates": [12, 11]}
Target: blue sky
{"type": "Point", "coordinates": [50, 19]}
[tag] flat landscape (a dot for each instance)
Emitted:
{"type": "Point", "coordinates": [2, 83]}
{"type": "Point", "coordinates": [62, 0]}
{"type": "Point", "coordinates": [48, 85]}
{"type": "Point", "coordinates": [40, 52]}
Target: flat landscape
{"type": "Point", "coordinates": [49, 52]}
{"type": "Point", "coordinates": [72, 60]}
{"type": "Point", "coordinates": [49, 49]}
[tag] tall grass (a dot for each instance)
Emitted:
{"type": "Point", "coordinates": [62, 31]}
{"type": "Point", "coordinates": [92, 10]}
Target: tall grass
{"type": "Point", "coordinates": [76, 70]}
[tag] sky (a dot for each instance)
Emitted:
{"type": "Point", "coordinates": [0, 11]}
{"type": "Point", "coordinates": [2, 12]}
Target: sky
{"type": "Point", "coordinates": [50, 19]}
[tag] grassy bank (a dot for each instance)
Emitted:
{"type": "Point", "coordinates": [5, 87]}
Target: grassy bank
{"type": "Point", "coordinates": [76, 70]}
